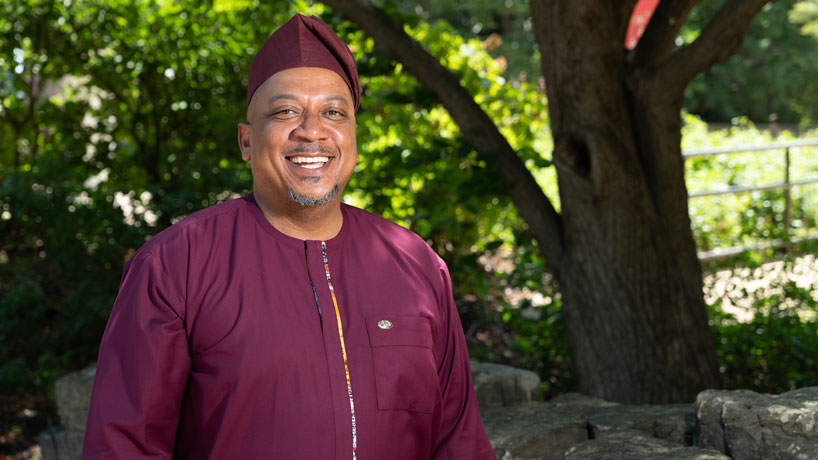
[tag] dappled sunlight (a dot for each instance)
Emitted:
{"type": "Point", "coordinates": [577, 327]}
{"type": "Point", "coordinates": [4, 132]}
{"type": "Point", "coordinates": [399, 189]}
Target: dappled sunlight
{"type": "Point", "coordinates": [133, 207]}
{"type": "Point", "coordinates": [737, 291]}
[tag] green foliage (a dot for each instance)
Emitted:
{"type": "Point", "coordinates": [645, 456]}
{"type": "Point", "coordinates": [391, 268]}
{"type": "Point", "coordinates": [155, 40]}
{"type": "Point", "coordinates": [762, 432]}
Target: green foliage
{"type": "Point", "coordinates": [774, 349]}
{"type": "Point", "coordinates": [750, 218]}
{"type": "Point", "coordinates": [528, 334]}
{"type": "Point", "coordinates": [117, 119]}
{"type": "Point", "coordinates": [805, 14]}
{"type": "Point", "coordinates": [505, 28]}
{"type": "Point", "coordinates": [513, 314]}
{"type": "Point", "coordinates": [412, 154]}
{"type": "Point", "coordinates": [772, 77]}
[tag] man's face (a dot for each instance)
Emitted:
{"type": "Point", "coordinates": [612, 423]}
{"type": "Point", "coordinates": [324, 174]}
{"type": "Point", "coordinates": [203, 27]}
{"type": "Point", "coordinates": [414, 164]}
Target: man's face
{"type": "Point", "coordinates": [300, 139]}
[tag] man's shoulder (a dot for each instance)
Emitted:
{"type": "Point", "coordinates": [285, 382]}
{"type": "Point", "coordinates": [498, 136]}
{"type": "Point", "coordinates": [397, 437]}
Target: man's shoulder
{"type": "Point", "coordinates": [198, 228]}
{"type": "Point", "coordinates": [368, 222]}
{"type": "Point", "coordinates": [372, 226]}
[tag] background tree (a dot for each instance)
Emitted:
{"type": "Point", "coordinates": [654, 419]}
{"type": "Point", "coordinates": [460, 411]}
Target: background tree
{"type": "Point", "coordinates": [621, 248]}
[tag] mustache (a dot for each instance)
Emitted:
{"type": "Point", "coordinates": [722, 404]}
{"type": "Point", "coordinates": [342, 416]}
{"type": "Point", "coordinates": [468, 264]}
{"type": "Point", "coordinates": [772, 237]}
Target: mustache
{"type": "Point", "coordinates": [308, 149]}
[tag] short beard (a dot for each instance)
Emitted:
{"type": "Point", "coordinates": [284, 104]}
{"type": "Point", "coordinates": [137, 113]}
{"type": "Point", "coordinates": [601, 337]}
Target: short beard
{"type": "Point", "coordinates": [312, 202]}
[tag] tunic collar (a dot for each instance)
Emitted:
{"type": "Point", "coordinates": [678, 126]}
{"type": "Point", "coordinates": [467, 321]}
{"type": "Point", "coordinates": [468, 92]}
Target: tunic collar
{"type": "Point", "coordinates": [297, 243]}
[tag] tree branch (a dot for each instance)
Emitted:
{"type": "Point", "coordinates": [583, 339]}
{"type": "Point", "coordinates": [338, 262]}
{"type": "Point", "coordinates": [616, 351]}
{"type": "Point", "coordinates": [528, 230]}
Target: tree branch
{"type": "Point", "coordinates": [476, 127]}
{"type": "Point", "coordinates": [659, 39]}
{"type": "Point", "coordinates": [624, 11]}
{"type": "Point", "coordinates": [719, 40]}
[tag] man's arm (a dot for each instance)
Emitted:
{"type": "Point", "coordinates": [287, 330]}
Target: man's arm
{"type": "Point", "coordinates": [142, 369]}
{"type": "Point", "coordinates": [462, 435]}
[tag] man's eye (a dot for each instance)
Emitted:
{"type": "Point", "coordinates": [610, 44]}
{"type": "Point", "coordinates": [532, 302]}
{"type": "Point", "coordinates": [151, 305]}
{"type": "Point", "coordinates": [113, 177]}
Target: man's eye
{"type": "Point", "coordinates": [335, 113]}
{"type": "Point", "coordinates": [284, 114]}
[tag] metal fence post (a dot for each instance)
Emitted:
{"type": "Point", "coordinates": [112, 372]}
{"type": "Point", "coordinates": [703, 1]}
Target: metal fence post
{"type": "Point", "coordinates": [787, 198]}
{"type": "Point", "coordinates": [787, 186]}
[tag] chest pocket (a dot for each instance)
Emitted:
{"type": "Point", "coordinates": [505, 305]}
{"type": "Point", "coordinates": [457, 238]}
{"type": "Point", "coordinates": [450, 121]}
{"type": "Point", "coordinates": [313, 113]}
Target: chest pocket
{"type": "Point", "coordinates": [404, 363]}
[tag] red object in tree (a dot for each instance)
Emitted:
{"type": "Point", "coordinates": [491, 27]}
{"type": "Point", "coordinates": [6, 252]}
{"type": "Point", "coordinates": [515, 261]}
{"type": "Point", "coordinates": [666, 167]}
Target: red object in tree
{"type": "Point", "coordinates": [639, 21]}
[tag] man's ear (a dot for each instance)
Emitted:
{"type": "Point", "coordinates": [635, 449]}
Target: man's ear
{"type": "Point", "coordinates": [357, 156]}
{"type": "Point", "coordinates": [245, 135]}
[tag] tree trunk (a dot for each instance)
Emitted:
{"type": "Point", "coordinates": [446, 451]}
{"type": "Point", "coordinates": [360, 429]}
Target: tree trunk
{"type": "Point", "coordinates": [622, 248]}
{"type": "Point", "coordinates": [630, 278]}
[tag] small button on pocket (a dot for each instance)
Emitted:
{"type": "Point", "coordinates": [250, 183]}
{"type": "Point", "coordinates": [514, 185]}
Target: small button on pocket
{"type": "Point", "coordinates": [404, 363]}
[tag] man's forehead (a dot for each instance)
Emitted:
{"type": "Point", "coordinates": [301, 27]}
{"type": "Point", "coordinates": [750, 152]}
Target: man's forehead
{"type": "Point", "coordinates": [300, 82]}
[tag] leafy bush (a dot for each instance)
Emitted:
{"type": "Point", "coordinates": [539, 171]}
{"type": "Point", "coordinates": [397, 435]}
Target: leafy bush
{"type": "Point", "coordinates": [518, 321]}
{"type": "Point", "coordinates": [770, 346]}
{"type": "Point", "coordinates": [772, 77]}
{"type": "Point", "coordinates": [117, 118]}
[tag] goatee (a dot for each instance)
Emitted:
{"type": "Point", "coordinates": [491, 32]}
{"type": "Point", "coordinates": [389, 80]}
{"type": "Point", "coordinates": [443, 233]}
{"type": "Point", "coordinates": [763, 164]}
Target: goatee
{"type": "Point", "coordinates": [310, 202]}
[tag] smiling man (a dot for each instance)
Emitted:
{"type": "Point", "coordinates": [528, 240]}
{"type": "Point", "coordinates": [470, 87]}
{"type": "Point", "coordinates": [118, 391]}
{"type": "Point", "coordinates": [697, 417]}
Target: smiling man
{"type": "Point", "coordinates": [300, 141]}
{"type": "Point", "coordinates": [286, 324]}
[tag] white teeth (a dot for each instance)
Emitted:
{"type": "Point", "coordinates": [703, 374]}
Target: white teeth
{"type": "Point", "coordinates": [318, 161]}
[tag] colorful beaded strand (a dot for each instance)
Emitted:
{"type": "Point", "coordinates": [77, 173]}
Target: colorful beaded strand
{"type": "Point", "coordinates": [343, 352]}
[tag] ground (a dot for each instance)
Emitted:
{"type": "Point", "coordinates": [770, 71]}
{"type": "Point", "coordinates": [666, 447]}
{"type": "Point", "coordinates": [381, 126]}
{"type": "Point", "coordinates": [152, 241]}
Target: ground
{"type": "Point", "coordinates": [22, 419]}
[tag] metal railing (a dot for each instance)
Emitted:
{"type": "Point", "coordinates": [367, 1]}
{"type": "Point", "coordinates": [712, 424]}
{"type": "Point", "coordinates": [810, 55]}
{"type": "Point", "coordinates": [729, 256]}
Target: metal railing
{"type": "Point", "coordinates": [787, 185]}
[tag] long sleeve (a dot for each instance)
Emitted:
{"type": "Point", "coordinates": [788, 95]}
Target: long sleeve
{"type": "Point", "coordinates": [142, 369]}
{"type": "Point", "coordinates": [462, 433]}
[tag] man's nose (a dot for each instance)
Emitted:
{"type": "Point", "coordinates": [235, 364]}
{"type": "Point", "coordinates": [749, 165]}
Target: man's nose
{"type": "Point", "coordinates": [310, 129]}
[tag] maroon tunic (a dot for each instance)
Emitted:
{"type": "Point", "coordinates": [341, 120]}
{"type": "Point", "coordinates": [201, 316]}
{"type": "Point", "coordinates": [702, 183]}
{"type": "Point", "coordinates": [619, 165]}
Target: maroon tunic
{"type": "Point", "coordinates": [224, 343]}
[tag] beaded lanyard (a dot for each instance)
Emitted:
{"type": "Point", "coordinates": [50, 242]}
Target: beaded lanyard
{"type": "Point", "coordinates": [343, 352]}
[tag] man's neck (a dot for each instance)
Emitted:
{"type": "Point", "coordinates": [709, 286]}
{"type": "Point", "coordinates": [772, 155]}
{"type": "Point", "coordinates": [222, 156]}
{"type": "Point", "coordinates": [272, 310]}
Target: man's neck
{"type": "Point", "coordinates": [304, 222]}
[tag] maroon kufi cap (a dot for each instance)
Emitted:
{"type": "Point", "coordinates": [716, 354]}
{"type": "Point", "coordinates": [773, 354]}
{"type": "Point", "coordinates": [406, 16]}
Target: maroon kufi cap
{"type": "Point", "coordinates": [304, 42]}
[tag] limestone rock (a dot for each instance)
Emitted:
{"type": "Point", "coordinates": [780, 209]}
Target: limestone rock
{"type": "Point", "coordinates": [61, 444]}
{"type": "Point", "coordinates": [497, 385]}
{"type": "Point", "coordinates": [741, 425]}
{"type": "Point", "coordinates": [637, 445]}
{"type": "Point", "coordinates": [672, 422]}
{"type": "Point", "coordinates": [532, 431]}
{"type": "Point", "coordinates": [73, 392]}
{"type": "Point", "coordinates": [748, 426]}
{"type": "Point", "coordinates": [549, 430]}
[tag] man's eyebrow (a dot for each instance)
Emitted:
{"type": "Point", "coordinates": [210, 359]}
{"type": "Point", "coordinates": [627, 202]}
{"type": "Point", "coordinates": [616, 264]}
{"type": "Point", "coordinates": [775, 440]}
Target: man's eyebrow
{"type": "Point", "coordinates": [278, 96]}
{"type": "Point", "coordinates": [336, 98]}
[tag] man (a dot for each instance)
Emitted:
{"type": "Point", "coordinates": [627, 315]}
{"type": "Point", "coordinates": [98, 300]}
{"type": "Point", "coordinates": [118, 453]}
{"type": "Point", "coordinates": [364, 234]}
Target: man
{"type": "Point", "coordinates": [285, 324]}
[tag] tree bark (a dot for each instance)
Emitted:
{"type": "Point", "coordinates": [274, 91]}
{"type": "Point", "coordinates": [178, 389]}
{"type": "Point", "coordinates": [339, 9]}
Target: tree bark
{"type": "Point", "coordinates": [627, 266]}
{"type": "Point", "coordinates": [641, 333]}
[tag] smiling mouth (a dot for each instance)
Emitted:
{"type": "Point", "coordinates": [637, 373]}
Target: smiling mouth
{"type": "Point", "coordinates": [309, 162]}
